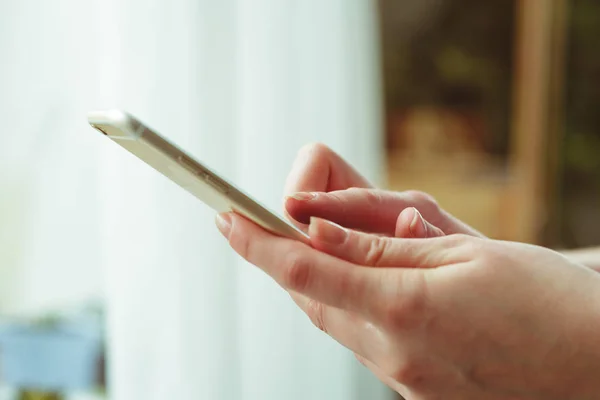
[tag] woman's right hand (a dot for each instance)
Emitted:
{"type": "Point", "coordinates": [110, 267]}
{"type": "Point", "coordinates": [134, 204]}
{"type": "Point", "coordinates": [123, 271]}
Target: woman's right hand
{"type": "Point", "coordinates": [318, 184]}
{"type": "Point", "coordinates": [322, 184]}
{"type": "Point", "coordinates": [456, 316]}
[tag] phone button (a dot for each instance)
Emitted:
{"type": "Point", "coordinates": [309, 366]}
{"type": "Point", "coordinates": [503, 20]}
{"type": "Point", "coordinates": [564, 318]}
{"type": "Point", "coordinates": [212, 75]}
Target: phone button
{"type": "Point", "coordinates": [187, 165]}
{"type": "Point", "coordinates": [216, 184]}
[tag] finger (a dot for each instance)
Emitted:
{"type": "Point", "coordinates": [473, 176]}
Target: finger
{"type": "Point", "coordinates": [377, 251]}
{"type": "Point", "coordinates": [411, 224]}
{"type": "Point", "coordinates": [302, 269]}
{"type": "Point", "coordinates": [371, 210]}
{"type": "Point", "coordinates": [350, 330]}
{"type": "Point", "coordinates": [390, 382]}
{"type": "Point", "coordinates": [318, 168]}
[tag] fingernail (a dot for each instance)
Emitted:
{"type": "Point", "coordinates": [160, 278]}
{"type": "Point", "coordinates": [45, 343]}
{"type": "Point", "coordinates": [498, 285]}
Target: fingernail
{"type": "Point", "coordinates": [303, 196]}
{"type": "Point", "coordinates": [223, 222]}
{"type": "Point", "coordinates": [329, 232]}
{"type": "Point", "coordinates": [417, 226]}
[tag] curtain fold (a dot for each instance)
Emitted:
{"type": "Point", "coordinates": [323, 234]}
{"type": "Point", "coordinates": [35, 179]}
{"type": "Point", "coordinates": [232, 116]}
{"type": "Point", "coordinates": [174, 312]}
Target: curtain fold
{"type": "Point", "coordinates": [307, 72]}
{"type": "Point", "coordinates": [47, 160]}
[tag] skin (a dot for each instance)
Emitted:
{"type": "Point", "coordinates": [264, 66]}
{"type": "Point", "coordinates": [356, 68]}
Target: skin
{"type": "Point", "coordinates": [318, 170]}
{"type": "Point", "coordinates": [589, 257]}
{"type": "Point", "coordinates": [436, 311]}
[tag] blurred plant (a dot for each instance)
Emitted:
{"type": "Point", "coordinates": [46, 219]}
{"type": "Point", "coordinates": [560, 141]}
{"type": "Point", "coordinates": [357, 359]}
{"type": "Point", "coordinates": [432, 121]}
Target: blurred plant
{"type": "Point", "coordinates": [462, 61]}
{"type": "Point", "coordinates": [583, 153]}
{"type": "Point", "coordinates": [582, 141]}
{"type": "Point", "coordinates": [580, 183]}
{"type": "Point", "coordinates": [33, 395]}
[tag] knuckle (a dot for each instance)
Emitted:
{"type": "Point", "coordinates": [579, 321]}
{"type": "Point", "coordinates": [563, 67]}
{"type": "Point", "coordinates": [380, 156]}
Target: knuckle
{"type": "Point", "coordinates": [376, 251]}
{"type": "Point", "coordinates": [316, 313]}
{"type": "Point", "coordinates": [341, 201]}
{"type": "Point", "coordinates": [422, 199]}
{"type": "Point", "coordinates": [316, 148]}
{"type": "Point", "coordinates": [468, 247]}
{"type": "Point", "coordinates": [374, 197]}
{"type": "Point", "coordinates": [475, 246]}
{"type": "Point", "coordinates": [296, 275]}
{"type": "Point", "coordinates": [356, 190]}
{"type": "Point", "coordinates": [488, 254]}
{"type": "Point", "coordinates": [339, 197]}
{"type": "Point", "coordinates": [460, 240]}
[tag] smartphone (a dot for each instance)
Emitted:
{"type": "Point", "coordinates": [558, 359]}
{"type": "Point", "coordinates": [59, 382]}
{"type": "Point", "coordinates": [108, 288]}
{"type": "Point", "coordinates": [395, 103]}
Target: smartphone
{"type": "Point", "coordinates": [187, 172]}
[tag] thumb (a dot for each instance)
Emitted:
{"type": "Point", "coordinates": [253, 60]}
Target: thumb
{"type": "Point", "coordinates": [411, 224]}
{"type": "Point", "coordinates": [380, 251]}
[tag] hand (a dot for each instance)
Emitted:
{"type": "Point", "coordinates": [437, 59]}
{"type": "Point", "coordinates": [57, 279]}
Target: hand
{"type": "Point", "coordinates": [316, 186]}
{"type": "Point", "coordinates": [453, 316]}
{"type": "Point", "coordinates": [318, 168]}
{"type": "Point", "coordinates": [372, 210]}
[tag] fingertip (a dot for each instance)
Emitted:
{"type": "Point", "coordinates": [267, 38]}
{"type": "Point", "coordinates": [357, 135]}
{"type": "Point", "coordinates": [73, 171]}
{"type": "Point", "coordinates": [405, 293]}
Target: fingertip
{"type": "Point", "coordinates": [224, 222]}
{"type": "Point", "coordinates": [326, 234]}
{"type": "Point", "coordinates": [296, 210]}
{"type": "Point", "coordinates": [434, 231]}
{"type": "Point", "coordinates": [404, 222]}
{"type": "Point", "coordinates": [302, 196]}
{"type": "Point", "coordinates": [418, 227]}
{"type": "Point", "coordinates": [412, 224]}
{"type": "Point", "coordinates": [313, 226]}
{"type": "Point", "coordinates": [240, 225]}
{"type": "Point", "coordinates": [408, 215]}
{"type": "Point", "coordinates": [302, 206]}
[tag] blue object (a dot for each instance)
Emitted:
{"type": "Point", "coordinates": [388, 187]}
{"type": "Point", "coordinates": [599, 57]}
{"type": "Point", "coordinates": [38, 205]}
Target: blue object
{"type": "Point", "coordinates": [60, 358]}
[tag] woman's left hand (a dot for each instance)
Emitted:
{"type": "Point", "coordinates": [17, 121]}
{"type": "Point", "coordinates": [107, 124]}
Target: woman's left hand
{"type": "Point", "coordinates": [452, 316]}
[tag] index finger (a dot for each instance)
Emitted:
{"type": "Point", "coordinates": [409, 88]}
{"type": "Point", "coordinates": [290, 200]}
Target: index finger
{"type": "Point", "coordinates": [301, 269]}
{"type": "Point", "coordinates": [317, 168]}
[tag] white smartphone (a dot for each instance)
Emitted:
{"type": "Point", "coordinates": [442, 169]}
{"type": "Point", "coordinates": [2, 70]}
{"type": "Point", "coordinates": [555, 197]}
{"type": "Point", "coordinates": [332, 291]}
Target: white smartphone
{"type": "Point", "coordinates": [190, 174]}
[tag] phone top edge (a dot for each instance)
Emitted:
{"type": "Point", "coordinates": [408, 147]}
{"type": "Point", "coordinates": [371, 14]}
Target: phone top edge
{"type": "Point", "coordinates": [128, 126]}
{"type": "Point", "coordinates": [122, 127]}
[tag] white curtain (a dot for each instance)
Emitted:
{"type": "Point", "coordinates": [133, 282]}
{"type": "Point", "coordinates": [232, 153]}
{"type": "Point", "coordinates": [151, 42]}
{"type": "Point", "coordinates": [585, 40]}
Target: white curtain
{"type": "Point", "coordinates": [241, 84]}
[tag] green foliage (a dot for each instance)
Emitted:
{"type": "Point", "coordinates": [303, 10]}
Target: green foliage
{"type": "Point", "coordinates": [464, 59]}
{"type": "Point", "coordinates": [582, 140]}
{"type": "Point", "coordinates": [583, 152]}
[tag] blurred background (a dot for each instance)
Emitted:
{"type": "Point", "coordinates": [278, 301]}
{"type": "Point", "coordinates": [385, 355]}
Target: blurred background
{"type": "Point", "coordinates": [490, 107]}
{"type": "Point", "coordinates": [114, 282]}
